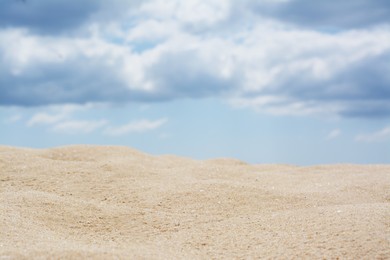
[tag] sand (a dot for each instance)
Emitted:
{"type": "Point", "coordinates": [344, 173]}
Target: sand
{"type": "Point", "coordinates": [100, 202]}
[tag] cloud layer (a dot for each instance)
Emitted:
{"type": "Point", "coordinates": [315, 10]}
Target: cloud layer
{"type": "Point", "coordinates": [278, 57]}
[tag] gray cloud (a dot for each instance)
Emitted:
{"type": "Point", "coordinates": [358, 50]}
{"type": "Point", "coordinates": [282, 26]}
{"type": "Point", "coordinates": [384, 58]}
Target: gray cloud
{"type": "Point", "coordinates": [331, 14]}
{"type": "Point", "coordinates": [363, 80]}
{"type": "Point", "coordinates": [73, 81]}
{"type": "Point", "coordinates": [359, 90]}
{"type": "Point", "coordinates": [373, 110]}
{"type": "Point", "coordinates": [45, 16]}
{"type": "Point", "coordinates": [60, 16]}
{"type": "Point", "coordinates": [184, 74]}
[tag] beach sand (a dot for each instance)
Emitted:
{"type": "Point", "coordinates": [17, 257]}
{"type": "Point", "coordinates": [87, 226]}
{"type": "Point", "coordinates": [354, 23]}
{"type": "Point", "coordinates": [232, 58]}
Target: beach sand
{"type": "Point", "coordinates": [115, 202]}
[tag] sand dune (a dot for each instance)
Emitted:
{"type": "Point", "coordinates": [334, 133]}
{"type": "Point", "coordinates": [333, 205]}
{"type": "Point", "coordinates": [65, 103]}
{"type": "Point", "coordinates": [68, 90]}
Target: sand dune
{"type": "Point", "coordinates": [115, 202]}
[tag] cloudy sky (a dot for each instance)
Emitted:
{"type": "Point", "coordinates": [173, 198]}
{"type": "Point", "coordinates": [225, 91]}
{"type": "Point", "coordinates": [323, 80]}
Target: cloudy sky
{"type": "Point", "coordinates": [265, 81]}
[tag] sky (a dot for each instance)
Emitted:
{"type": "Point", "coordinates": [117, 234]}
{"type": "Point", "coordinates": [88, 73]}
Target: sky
{"type": "Point", "coordinates": [268, 81]}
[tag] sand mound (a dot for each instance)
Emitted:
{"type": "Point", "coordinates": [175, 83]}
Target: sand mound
{"type": "Point", "coordinates": [107, 202]}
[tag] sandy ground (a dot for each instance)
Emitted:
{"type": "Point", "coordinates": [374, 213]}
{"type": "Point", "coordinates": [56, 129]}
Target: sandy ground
{"type": "Point", "coordinates": [115, 202]}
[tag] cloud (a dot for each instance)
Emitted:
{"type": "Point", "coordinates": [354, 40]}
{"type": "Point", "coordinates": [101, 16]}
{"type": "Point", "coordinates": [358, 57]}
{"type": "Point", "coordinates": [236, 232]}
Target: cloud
{"type": "Point", "coordinates": [62, 119]}
{"type": "Point", "coordinates": [56, 114]}
{"type": "Point", "coordinates": [192, 15]}
{"type": "Point", "coordinates": [61, 16]}
{"type": "Point", "coordinates": [334, 134]}
{"type": "Point", "coordinates": [78, 126]}
{"type": "Point", "coordinates": [13, 119]}
{"type": "Point", "coordinates": [70, 119]}
{"type": "Point", "coordinates": [358, 88]}
{"type": "Point", "coordinates": [45, 15]}
{"type": "Point", "coordinates": [153, 51]}
{"type": "Point", "coordinates": [136, 127]}
{"type": "Point", "coordinates": [40, 71]}
{"type": "Point", "coordinates": [187, 74]}
{"type": "Point", "coordinates": [44, 118]}
{"type": "Point", "coordinates": [382, 135]}
{"type": "Point", "coordinates": [331, 14]}
{"type": "Point", "coordinates": [347, 82]}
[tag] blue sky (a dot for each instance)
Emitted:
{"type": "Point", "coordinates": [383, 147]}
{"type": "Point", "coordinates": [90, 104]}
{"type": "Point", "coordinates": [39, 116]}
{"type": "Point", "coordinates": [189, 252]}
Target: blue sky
{"type": "Point", "coordinates": [271, 81]}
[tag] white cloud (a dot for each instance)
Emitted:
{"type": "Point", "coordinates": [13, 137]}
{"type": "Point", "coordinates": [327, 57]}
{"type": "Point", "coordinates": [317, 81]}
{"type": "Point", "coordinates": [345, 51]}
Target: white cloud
{"type": "Point", "coordinates": [13, 119]}
{"type": "Point", "coordinates": [78, 126]}
{"type": "Point", "coordinates": [136, 127]}
{"type": "Point", "coordinates": [45, 118]}
{"type": "Point", "coordinates": [382, 135]}
{"type": "Point", "coordinates": [57, 114]}
{"type": "Point", "coordinates": [282, 106]}
{"type": "Point", "coordinates": [69, 119]}
{"type": "Point", "coordinates": [190, 12]}
{"type": "Point", "coordinates": [62, 119]}
{"type": "Point", "coordinates": [334, 134]}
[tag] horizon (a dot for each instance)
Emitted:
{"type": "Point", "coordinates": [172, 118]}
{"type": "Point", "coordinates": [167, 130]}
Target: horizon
{"type": "Point", "coordinates": [133, 150]}
{"type": "Point", "coordinates": [265, 82]}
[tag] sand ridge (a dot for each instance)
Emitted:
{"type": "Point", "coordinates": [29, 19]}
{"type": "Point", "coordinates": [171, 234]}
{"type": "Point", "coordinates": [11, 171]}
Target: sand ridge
{"type": "Point", "coordinates": [109, 202]}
